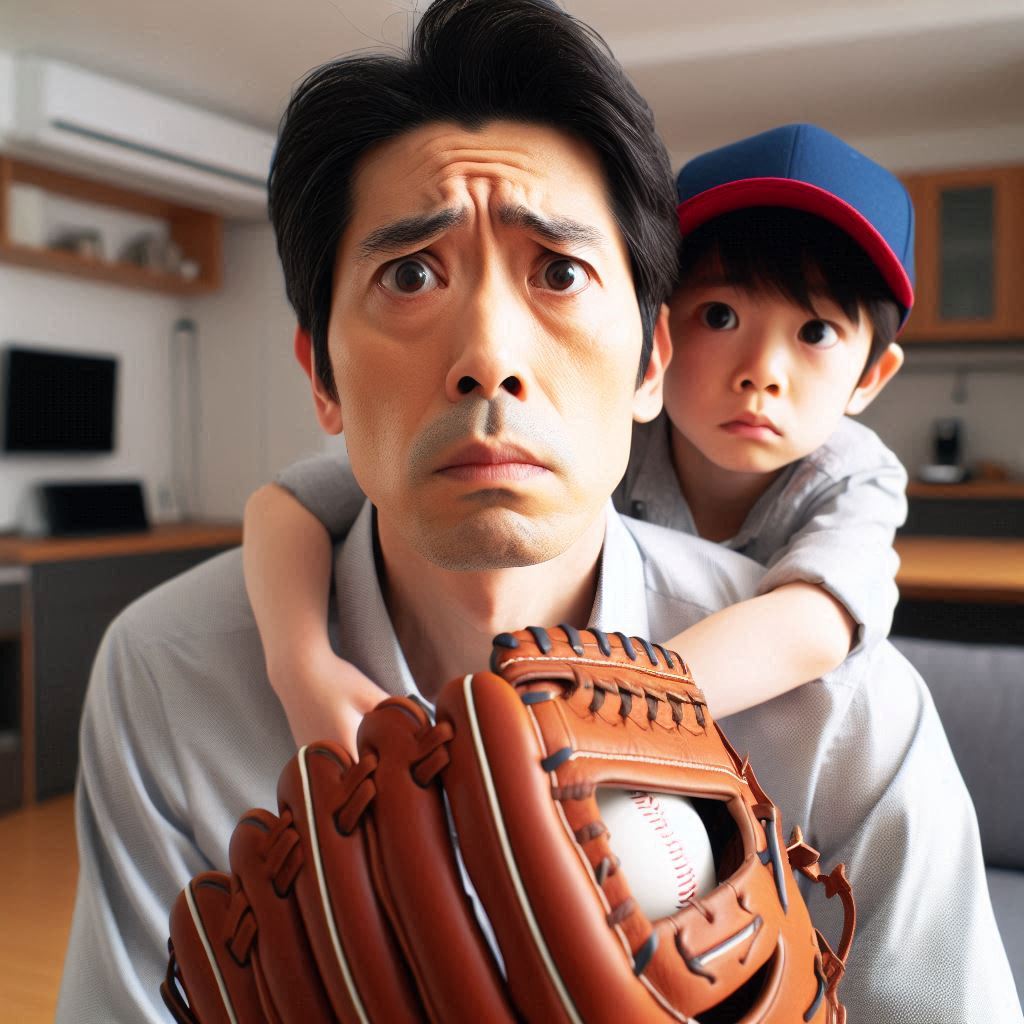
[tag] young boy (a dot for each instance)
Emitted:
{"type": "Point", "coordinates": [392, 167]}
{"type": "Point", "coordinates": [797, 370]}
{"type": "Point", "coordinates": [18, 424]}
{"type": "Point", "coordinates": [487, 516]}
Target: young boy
{"type": "Point", "coordinates": [795, 276]}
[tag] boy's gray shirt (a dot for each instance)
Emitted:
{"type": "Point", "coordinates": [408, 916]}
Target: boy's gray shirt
{"type": "Point", "coordinates": [828, 518]}
{"type": "Point", "coordinates": [181, 733]}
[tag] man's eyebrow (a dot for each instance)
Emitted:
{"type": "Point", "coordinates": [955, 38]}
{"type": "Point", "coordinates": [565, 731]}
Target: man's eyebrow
{"type": "Point", "coordinates": [560, 230]}
{"type": "Point", "coordinates": [409, 232]}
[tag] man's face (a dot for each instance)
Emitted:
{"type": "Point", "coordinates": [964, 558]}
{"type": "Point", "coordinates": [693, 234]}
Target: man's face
{"type": "Point", "coordinates": [485, 339]}
{"type": "Point", "coordinates": [757, 381]}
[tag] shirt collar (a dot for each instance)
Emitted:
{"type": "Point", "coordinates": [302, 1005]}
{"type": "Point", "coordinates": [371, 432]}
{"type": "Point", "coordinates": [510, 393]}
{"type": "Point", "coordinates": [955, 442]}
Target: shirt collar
{"type": "Point", "coordinates": [655, 495]}
{"type": "Point", "coordinates": [365, 634]}
{"type": "Point", "coordinates": [367, 638]}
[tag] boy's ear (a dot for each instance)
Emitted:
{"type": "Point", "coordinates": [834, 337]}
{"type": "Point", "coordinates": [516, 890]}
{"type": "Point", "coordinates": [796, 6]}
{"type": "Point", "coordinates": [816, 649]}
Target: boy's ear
{"type": "Point", "coordinates": [875, 379]}
{"type": "Point", "coordinates": [328, 409]}
{"type": "Point", "coordinates": [647, 400]}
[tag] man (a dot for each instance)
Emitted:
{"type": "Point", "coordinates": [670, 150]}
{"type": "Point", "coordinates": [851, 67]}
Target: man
{"type": "Point", "coordinates": [477, 244]}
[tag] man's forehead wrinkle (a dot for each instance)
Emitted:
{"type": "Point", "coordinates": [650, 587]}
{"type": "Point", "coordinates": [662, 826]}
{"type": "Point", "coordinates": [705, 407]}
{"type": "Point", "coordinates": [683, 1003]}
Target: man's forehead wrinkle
{"type": "Point", "coordinates": [407, 232]}
{"type": "Point", "coordinates": [562, 230]}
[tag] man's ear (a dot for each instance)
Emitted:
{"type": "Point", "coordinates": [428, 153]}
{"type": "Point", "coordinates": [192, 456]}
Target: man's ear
{"type": "Point", "coordinates": [875, 379]}
{"type": "Point", "coordinates": [647, 400]}
{"type": "Point", "coordinates": [328, 409]}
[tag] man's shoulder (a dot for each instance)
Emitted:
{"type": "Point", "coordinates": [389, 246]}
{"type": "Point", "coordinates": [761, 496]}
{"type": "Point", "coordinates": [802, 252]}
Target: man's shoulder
{"type": "Point", "coordinates": [205, 605]}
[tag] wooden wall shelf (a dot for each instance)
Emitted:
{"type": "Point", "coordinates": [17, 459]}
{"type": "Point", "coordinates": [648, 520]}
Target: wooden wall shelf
{"type": "Point", "coordinates": [198, 233]}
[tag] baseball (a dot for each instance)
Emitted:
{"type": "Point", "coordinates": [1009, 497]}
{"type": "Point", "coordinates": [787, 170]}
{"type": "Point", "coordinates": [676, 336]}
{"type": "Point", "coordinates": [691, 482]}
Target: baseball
{"type": "Point", "coordinates": [662, 845]}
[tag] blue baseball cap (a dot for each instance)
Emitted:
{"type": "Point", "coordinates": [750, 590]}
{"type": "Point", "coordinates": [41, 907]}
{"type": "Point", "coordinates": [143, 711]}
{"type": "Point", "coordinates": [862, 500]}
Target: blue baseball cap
{"type": "Point", "coordinates": [807, 168]}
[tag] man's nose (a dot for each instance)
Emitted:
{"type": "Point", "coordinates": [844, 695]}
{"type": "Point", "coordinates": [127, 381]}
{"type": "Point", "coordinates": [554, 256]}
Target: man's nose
{"type": "Point", "coordinates": [490, 353]}
{"type": "Point", "coordinates": [762, 368]}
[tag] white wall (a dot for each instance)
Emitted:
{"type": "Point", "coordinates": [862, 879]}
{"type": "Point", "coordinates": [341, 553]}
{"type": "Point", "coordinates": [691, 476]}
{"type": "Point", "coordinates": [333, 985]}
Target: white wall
{"type": "Point", "coordinates": [56, 311]}
{"type": "Point", "coordinates": [989, 401]}
{"type": "Point", "coordinates": [256, 411]}
{"type": "Point", "coordinates": [255, 414]}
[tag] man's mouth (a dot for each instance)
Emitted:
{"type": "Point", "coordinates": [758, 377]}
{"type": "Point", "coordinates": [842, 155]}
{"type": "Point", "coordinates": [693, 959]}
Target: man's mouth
{"type": "Point", "coordinates": [491, 463]}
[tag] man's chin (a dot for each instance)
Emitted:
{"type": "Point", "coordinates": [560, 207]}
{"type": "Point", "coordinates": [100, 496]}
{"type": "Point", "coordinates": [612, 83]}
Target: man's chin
{"type": "Point", "coordinates": [493, 539]}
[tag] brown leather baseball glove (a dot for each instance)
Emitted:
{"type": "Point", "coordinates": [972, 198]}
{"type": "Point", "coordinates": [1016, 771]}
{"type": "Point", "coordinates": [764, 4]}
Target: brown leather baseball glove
{"type": "Point", "coordinates": [353, 902]}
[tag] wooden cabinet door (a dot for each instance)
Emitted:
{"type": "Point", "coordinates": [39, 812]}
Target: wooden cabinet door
{"type": "Point", "coordinates": [969, 255]}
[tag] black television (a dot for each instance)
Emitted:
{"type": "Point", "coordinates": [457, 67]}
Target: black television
{"type": "Point", "coordinates": [58, 401]}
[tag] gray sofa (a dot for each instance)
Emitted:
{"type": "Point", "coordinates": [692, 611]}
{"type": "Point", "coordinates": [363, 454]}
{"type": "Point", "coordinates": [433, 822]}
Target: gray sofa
{"type": "Point", "coordinates": [979, 692]}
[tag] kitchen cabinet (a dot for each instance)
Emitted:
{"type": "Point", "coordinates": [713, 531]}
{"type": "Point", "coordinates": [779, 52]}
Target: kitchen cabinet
{"type": "Point", "coordinates": [969, 255]}
{"type": "Point", "coordinates": [68, 590]}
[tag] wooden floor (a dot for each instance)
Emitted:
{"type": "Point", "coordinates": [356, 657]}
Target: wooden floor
{"type": "Point", "coordinates": [38, 869]}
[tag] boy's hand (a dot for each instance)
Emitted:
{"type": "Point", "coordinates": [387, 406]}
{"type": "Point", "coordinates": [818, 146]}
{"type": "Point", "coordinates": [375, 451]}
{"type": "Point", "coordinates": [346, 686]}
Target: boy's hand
{"type": "Point", "coordinates": [325, 698]}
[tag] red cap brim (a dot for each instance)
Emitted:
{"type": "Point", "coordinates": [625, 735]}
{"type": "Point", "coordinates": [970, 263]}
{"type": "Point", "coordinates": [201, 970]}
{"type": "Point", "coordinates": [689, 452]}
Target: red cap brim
{"type": "Point", "coordinates": [799, 195]}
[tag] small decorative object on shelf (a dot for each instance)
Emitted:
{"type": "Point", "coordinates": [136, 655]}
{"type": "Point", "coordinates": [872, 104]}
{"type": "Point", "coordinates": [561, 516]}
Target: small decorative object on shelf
{"type": "Point", "coordinates": [948, 466]}
{"type": "Point", "coordinates": [84, 242]}
{"type": "Point", "coordinates": [154, 253]}
{"type": "Point", "coordinates": [25, 215]}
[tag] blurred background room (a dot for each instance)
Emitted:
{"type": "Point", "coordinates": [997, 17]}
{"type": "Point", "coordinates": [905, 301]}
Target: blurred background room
{"type": "Point", "coordinates": [148, 386]}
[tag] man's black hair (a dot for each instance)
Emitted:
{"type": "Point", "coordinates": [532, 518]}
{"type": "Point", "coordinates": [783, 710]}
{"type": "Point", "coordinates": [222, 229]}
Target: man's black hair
{"type": "Point", "coordinates": [798, 255]}
{"type": "Point", "coordinates": [470, 62]}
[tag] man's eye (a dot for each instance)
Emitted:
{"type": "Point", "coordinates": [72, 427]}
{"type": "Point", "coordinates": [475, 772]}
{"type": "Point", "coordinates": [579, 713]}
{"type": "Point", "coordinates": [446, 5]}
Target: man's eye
{"type": "Point", "coordinates": [818, 333]}
{"type": "Point", "coordinates": [719, 317]}
{"type": "Point", "coordinates": [409, 277]}
{"type": "Point", "coordinates": [565, 276]}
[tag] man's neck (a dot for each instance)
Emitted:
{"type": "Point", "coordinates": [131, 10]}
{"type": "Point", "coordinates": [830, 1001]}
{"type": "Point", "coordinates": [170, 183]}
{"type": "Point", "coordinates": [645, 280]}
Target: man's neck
{"type": "Point", "coordinates": [719, 499]}
{"type": "Point", "coordinates": [445, 620]}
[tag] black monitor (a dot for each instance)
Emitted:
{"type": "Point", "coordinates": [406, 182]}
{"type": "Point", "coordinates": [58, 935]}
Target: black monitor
{"type": "Point", "coordinates": [58, 401]}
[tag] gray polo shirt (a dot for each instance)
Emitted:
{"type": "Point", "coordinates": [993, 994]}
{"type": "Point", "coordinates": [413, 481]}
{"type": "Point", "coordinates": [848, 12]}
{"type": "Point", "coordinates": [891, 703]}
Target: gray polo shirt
{"type": "Point", "coordinates": [181, 733]}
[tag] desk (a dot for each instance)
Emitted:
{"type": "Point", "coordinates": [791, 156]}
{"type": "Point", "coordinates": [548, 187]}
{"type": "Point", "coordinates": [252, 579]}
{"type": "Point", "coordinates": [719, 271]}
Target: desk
{"type": "Point", "coordinates": [68, 590]}
{"type": "Point", "coordinates": [963, 569]}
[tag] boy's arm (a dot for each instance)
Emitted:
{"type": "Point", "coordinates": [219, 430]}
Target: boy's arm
{"type": "Point", "coordinates": [757, 649]}
{"type": "Point", "coordinates": [324, 486]}
{"type": "Point", "coordinates": [287, 560]}
{"type": "Point", "coordinates": [829, 589]}
{"type": "Point", "coordinates": [843, 536]}
{"type": "Point", "coordinates": [286, 553]}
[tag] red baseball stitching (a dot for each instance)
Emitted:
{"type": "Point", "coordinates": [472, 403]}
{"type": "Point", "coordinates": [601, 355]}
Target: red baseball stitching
{"type": "Point", "coordinates": [686, 881]}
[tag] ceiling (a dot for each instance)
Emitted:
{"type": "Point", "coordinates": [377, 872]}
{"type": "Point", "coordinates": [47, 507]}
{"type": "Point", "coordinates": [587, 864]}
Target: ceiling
{"type": "Point", "coordinates": [713, 71]}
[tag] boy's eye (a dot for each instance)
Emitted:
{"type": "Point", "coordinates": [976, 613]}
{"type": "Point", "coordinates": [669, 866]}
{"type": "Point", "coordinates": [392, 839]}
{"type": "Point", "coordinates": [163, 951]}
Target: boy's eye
{"type": "Point", "coordinates": [719, 317]}
{"type": "Point", "coordinates": [409, 276]}
{"type": "Point", "coordinates": [564, 275]}
{"type": "Point", "coordinates": [819, 334]}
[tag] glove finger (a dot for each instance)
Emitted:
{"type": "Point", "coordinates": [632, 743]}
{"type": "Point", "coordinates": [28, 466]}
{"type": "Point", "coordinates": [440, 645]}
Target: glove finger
{"type": "Point", "coordinates": [210, 964]}
{"type": "Point", "coordinates": [416, 871]}
{"type": "Point", "coordinates": [359, 958]}
{"type": "Point", "coordinates": [491, 734]}
{"type": "Point", "coordinates": [266, 857]}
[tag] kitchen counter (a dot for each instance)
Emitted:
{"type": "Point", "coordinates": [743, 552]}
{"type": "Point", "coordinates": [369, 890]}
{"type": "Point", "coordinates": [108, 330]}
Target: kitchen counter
{"type": "Point", "coordinates": [962, 569]}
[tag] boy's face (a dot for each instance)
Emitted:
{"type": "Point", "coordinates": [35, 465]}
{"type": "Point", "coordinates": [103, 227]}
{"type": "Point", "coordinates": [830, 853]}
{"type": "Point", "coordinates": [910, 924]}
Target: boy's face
{"type": "Point", "coordinates": [756, 381]}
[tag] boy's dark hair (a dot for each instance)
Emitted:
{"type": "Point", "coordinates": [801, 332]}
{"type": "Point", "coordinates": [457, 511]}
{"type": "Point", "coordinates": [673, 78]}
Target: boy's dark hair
{"type": "Point", "coordinates": [470, 62]}
{"type": "Point", "coordinates": [770, 248]}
